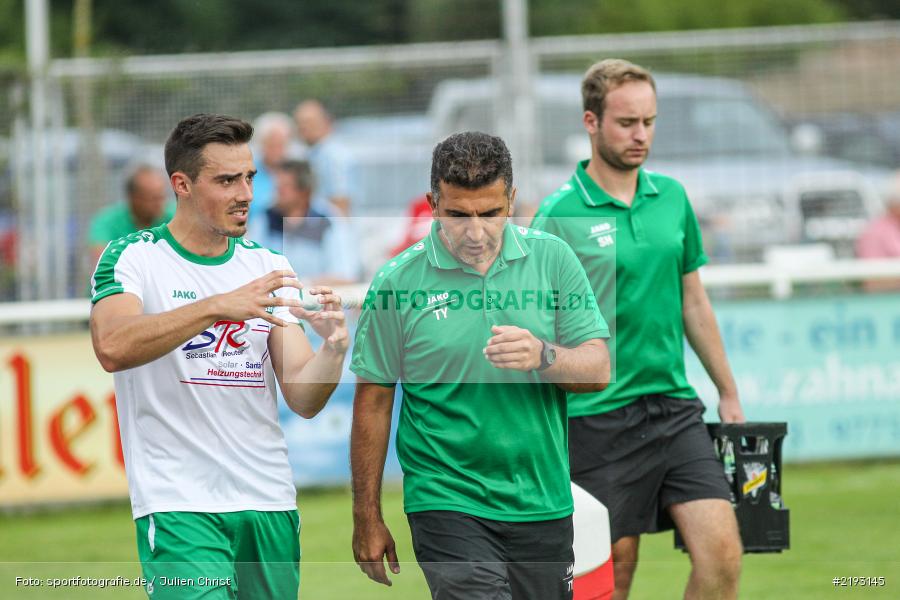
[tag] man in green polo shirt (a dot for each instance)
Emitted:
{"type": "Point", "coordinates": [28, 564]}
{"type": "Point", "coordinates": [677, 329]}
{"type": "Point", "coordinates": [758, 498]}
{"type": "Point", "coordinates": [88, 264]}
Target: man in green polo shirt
{"type": "Point", "coordinates": [640, 446]}
{"type": "Point", "coordinates": [486, 325]}
{"type": "Point", "coordinates": [148, 205]}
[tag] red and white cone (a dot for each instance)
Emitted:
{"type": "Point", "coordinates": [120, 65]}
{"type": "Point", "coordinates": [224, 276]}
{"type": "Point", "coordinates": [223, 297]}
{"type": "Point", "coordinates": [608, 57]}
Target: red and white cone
{"type": "Point", "coordinates": [593, 558]}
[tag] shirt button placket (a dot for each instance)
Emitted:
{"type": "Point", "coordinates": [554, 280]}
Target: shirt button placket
{"type": "Point", "coordinates": [636, 227]}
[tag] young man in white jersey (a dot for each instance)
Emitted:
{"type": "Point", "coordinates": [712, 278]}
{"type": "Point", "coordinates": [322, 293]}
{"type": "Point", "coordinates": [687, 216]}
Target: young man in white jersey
{"type": "Point", "coordinates": [198, 324]}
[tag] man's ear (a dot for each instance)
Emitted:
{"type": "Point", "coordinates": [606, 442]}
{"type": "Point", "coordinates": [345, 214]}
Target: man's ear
{"type": "Point", "coordinates": [591, 122]}
{"type": "Point", "coordinates": [512, 202]}
{"type": "Point", "coordinates": [181, 184]}
{"type": "Point", "coordinates": [432, 202]}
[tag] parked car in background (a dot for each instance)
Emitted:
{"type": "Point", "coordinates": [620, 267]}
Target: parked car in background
{"type": "Point", "coordinates": [865, 139]}
{"type": "Point", "coordinates": [750, 187]}
{"type": "Point", "coordinates": [392, 167]}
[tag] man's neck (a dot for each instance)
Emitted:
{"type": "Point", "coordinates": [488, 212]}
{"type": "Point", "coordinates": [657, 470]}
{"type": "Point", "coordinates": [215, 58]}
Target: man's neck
{"type": "Point", "coordinates": [141, 224]}
{"type": "Point", "coordinates": [294, 219]}
{"type": "Point", "coordinates": [621, 185]}
{"type": "Point", "coordinates": [318, 141]}
{"type": "Point", "coordinates": [195, 238]}
{"type": "Point", "coordinates": [138, 222]}
{"type": "Point", "coordinates": [297, 212]}
{"type": "Point", "coordinates": [894, 215]}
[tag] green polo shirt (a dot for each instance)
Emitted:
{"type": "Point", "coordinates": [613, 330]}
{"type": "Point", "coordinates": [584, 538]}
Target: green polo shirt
{"type": "Point", "coordinates": [635, 258]}
{"type": "Point", "coordinates": [116, 221]}
{"type": "Point", "coordinates": [473, 438]}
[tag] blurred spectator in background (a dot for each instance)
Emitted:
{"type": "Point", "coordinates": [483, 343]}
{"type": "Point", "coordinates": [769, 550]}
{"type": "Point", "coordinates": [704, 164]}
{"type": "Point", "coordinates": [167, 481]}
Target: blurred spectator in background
{"type": "Point", "coordinates": [274, 131]}
{"type": "Point", "coordinates": [148, 205]}
{"type": "Point", "coordinates": [9, 241]}
{"type": "Point", "coordinates": [321, 249]}
{"type": "Point", "coordinates": [418, 225]}
{"type": "Point", "coordinates": [881, 238]}
{"type": "Point", "coordinates": [330, 161]}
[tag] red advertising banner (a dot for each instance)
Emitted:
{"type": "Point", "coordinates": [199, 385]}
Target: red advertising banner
{"type": "Point", "coordinates": [59, 436]}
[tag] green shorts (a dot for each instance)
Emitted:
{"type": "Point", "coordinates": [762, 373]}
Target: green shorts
{"type": "Point", "coordinates": [246, 554]}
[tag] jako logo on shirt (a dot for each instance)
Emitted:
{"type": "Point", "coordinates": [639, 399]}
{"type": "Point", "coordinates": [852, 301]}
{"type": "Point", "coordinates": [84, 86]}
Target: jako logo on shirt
{"type": "Point", "coordinates": [228, 333]}
{"type": "Point", "coordinates": [602, 232]}
{"type": "Point", "coordinates": [184, 294]}
{"type": "Point", "coordinates": [436, 301]}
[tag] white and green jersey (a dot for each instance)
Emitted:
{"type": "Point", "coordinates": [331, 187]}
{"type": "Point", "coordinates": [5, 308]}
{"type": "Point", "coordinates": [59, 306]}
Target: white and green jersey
{"type": "Point", "coordinates": [199, 426]}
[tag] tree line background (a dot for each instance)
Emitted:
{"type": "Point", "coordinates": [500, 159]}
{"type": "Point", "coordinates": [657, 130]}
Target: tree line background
{"type": "Point", "coordinates": [116, 27]}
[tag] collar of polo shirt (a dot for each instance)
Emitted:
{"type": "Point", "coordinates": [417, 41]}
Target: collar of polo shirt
{"type": "Point", "coordinates": [512, 247]}
{"type": "Point", "coordinates": [593, 195]}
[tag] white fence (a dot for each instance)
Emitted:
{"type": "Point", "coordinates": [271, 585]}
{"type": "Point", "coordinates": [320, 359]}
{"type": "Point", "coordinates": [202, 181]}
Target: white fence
{"type": "Point", "coordinates": [780, 281]}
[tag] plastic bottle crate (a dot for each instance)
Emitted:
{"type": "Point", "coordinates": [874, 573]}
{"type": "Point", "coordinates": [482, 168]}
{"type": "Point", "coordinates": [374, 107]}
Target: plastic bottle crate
{"type": "Point", "coordinates": [751, 456]}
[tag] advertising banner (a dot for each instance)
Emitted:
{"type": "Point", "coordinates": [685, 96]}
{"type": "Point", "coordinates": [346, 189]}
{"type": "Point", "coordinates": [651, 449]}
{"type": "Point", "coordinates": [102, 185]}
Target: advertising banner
{"type": "Point", "coordinates": [829, 366]}
{"type": "Point", "coordinates": [59, 438]}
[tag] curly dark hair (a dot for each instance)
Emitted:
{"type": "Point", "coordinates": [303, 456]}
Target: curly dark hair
{"type": "Point", "coordinates": [470, 160]}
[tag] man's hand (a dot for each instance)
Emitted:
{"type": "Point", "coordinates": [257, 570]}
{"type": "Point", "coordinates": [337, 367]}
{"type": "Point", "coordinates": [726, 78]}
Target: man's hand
{"type": "Point", "coordinates": [251, 301]}
{"type": "Point", "coordinates": [124, 337]}
{"type": "Point", "coordinates": [730, 410]}
{"type": "Point", "coordinates": [330, 322]}
{"type": "Point", "coordinates": [372, 542]}
{"type": "Point", "coordinates": [513, 348]}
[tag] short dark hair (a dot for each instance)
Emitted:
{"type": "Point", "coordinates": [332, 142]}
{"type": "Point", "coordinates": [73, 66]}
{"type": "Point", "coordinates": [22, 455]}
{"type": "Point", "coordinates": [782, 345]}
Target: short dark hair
{"type": "Point", "coordinates": [300, 172]}
{"type": "Point", "coordinates": [470, 160]}
{"type": "Point", "coordinates": [184, 148]}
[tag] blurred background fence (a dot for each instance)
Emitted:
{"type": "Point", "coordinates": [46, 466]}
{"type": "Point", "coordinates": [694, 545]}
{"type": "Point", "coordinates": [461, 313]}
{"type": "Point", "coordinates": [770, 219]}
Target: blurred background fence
{"type": "Point", "coordinates": [753, 121]}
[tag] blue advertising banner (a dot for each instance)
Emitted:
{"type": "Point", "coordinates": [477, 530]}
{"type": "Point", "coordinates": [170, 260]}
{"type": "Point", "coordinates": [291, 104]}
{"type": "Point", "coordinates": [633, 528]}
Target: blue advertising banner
{"type": "Point", "coordinates": [319, 448]}
{"type": "Point", "coordinates": [829, 366]}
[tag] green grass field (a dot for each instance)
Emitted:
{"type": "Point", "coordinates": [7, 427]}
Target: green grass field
{"type": "Point", "coordinates": [845, 521]}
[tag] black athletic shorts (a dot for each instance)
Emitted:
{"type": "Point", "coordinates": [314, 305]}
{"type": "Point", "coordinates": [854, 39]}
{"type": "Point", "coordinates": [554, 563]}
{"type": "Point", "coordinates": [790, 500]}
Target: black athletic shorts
{"type": "Point", "coordinates": [643, 457]}
{"type": "Point", "coordinates": [470, 558]}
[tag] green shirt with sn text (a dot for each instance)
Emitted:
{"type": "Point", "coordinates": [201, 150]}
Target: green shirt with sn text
{"type": "Point", "coordinates": [635, 258]}
{"type": "Point", "coordinates": [473, 438]}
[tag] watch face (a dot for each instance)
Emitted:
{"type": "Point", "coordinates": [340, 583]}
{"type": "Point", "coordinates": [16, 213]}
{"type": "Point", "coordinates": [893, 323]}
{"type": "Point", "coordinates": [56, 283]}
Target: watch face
{"type": "Point", "coordinates": [550, 355]}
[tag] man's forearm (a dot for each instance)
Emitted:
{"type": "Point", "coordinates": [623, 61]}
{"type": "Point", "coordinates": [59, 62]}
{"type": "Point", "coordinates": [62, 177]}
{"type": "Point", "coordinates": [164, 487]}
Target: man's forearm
{"type": "Point", "coordinates": [703, 335]}
{"type": "Point", "coordinates": [131, 341]}
{"type": "Point", "coordinates": [307, 392]}
{"type": "Point", "coordinates": [584, 368]}
{"type": "Point", "coordinates": [368, 448]}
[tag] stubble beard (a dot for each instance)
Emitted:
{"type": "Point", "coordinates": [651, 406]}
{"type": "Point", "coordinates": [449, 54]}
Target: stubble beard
{"type": "Point", "coordinates": [614, 160]}
{"type": "Point", "coordinates": [488, 255]}
{"type": "Point", "coordinates": [235, 231]}
{"type": "Point", "coordinates": [231, 232]}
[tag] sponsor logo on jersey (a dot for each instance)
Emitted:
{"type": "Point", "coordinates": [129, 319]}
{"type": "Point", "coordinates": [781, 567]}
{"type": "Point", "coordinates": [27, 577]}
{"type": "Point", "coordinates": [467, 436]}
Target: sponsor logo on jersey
{"type": "Point", "coordinates": [434, 298]}
{"type": "Point", "coordinates": [184, 294]}
{"type": "Point", "coordinates": [226, 336]}
{"type": "Point", "coordinates": [438, 304]}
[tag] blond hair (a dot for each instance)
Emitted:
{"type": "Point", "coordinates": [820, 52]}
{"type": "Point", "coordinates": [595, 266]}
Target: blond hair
{"type": "Point", "coordinates": [605, 76]}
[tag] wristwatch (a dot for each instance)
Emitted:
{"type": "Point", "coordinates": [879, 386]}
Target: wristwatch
{"type": "Point", "coordinates": [548, 355]}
